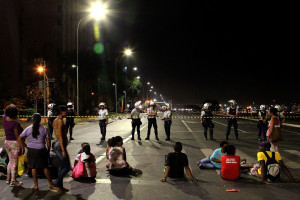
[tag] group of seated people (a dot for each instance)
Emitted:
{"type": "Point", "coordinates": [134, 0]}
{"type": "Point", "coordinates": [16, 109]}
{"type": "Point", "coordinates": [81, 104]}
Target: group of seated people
{"type": "Point", "coordinates": [223, 158]}
{"type": "Point", "coordinates": [267, 168]}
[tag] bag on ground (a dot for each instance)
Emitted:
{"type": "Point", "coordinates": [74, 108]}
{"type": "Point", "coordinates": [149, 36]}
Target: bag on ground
{"type": "Point", "coordinates": [78, 170]}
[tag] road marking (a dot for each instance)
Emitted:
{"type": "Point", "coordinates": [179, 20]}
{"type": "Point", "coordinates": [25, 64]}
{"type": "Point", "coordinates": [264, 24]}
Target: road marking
{"type": "Point", "coordinates": [188, 128]}
{"type": "Point", "coordinates": [231, 127]}
{"type": "Point", "coordinates": [297, 153]}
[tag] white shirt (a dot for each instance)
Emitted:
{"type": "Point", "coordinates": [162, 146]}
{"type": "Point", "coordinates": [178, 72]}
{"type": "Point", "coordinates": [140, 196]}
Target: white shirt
{"type": "Point", "coordinates": [50, 113]}
{"type": "Point", "coordinates": [167, 115]}
{"type": "Point", "coordinates": [103, 113]}
{"type": "Point", "coordinates": [135, 113]}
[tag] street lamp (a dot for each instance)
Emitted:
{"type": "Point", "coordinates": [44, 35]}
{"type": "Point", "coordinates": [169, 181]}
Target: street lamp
{"type": "Point", "coordinates": [97, 11]}
{"type": "Point", "coordinates": [138, 77]}
{"type": "Point", "coordinates": [125, 99]}
{"type": "Point", "coordinates": [116, 97]}
{"type": "Point", "coordinates": [135, 68]}
{"type": "Point", "coordinates": [126, 52]}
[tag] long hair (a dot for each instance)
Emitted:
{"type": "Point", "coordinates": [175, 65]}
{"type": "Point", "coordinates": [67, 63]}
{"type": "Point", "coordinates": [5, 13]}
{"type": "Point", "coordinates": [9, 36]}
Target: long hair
{"type": "Point", "coordinates": [36, 118]}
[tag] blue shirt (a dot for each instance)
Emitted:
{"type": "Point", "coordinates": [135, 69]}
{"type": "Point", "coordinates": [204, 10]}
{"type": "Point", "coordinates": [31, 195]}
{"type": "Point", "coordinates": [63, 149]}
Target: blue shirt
{"type": "Point", "coordinates": [217, 155]}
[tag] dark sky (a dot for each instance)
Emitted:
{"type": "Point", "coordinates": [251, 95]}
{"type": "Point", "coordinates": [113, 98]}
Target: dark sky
{"type": "Point", "coordinates": [198, 50]}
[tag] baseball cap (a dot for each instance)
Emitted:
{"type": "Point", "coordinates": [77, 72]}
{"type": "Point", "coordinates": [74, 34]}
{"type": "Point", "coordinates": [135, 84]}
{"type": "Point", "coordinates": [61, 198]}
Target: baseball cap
{"type": "Point", "coordinates": [265, 144]}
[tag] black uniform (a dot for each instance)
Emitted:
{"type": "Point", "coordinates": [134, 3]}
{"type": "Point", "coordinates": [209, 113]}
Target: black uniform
{"type": "Point", "coordinates": [262, 125]}
{"type": "Point", "coordinates": [232, 121]}
{"type": "Point", "coordinates": [136, 123]}
{"type": "Point", "coordinates": [207, 123]}
{"type": "Point", "coordinates": [70, 121]}
{"type": "Point", "coordinates": [151, 122]}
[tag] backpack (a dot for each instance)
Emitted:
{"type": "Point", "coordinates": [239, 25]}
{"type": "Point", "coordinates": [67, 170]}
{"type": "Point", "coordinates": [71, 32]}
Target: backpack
{"type": "Point", "coordinates": [272, 167]}
{"type": "Point", "coordinates": [3, 161]}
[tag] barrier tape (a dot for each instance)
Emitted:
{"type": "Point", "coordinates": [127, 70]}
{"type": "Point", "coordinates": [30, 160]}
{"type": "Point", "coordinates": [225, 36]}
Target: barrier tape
{"type": "Point", "coordinates": [173, 117]}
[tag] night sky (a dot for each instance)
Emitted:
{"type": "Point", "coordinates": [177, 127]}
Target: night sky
{"type": "Point", "coordinates": [197, 50]}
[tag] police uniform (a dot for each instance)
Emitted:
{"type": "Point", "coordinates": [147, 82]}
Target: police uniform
{"type": "Point", "coordinates": [151, 122]}
{"type": "Point", "coordinates": [167, 116]}
{"type": "Point", "coordinates": [51, 118]}
{"type": "Point", "coordinates": [103, 113]}
{"type": "Point", "coordinates": [262, 124]}
{"type": "Point", "coordinates": [206, 116]}
{"type": "Point", "coordinates": [232, 121]}
{"type": "Point", "coordinates": [136, 123]}
{"type": "Point", "coordinates": [70, 121]}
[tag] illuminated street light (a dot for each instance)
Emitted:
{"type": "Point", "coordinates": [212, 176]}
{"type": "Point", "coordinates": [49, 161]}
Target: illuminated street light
{"type": "Point", "coordinates": [98, 10]}
{"type": "Point", "coordinates": [135, 68]}
{"type": "Point", "coordinates": [138, 77]}
{"type": "Point", "coordinates": [127, 52]}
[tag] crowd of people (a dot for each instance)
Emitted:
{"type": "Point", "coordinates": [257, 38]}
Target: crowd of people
{"type": "Point", "coordinates": [39, 137]}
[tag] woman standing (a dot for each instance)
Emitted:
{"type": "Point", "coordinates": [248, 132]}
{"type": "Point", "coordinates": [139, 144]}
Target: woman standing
{"type": "Point", "coordinates": [274, 123]}
{"type": "Point", "coordinates": [60, 146]}
{"type": "Point", "coordinates": [37, 154]}
{"type": "Point", "coordinates": [12, 130]}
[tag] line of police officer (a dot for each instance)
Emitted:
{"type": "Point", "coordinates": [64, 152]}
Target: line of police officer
{"type": "Point", "coordinates": [206, 120]}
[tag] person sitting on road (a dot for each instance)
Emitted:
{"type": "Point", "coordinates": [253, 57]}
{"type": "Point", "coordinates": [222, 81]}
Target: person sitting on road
{"type": "Point", "coordinates": [89, 162]}
{"type": "Point", "coordinates": [230, 164]}
{"type": "Point", "coordinates": [110, 143]}
{"type": "Point", "coordinates": [261, 169]}
{"type": "Point", "coordinates": [214, 161]}
{"type": "Point", "coordinates": [176, 163]}
{"type": "Point", "coordinates": [117, 158]}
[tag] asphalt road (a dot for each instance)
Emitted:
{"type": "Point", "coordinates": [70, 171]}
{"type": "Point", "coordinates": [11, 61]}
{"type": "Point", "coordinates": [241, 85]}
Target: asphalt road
{"type": "Point", "coordinates": [149, 157]}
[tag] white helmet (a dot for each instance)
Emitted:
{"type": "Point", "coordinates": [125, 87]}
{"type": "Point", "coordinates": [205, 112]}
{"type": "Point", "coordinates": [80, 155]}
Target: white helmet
{"type": "Point", "coordinates": [168, 105]}
{"type": "Point", "coordinates": [69, 104]}
{"type": "Point", "coordinates": [278, 107]}
{"type": "Point", "coordinates": [206, 105]}
{"type": "Point", "coordinates": [51, 105]}
{"type": "Point", "coordinates": [152, 103]}
{"type": "Point", "coordinates": [232, 101]}
{"type": "Point", "coordinates": [138, 103]}
{"type": "Point", "coordinates": [262, 107]}
{"type": "Point", "coordinates": [101, 104]}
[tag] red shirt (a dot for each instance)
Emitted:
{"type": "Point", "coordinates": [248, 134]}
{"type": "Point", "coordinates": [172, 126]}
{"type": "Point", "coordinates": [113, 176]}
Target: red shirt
{"type": "Point", "coordinates": [230, 167]}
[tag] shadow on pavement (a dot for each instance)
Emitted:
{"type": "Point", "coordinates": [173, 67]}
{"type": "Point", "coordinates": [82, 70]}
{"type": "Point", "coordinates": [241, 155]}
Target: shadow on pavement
{"type": "Point", "coordinates": [28, 194]}
{"type": "Point", "coordinates": [83, 188]}
{"type": "Point", "coordinates": [121, 187]}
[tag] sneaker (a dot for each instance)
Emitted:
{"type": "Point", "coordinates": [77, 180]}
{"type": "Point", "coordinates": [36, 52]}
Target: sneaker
{"type": "Point", "coordinates": [15, 184]}
{"type": "Point", "coordinates": [157, 138]}
{"type": "Point", "coordinates": [139, 138]}
{"type": "Point", "coordinates": [71, 138]}
{"type": "Point", "coordinates": [7, 182]}
{"type": "Point", "coordinates": [132, 138]}
{"type": "Point", "coordinates": [167, 139]}
{"type": "Point", "coordinates": [147, 138]}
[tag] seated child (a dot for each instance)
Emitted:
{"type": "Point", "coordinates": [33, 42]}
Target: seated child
{"type": "Point", "coordinates": [89, 161]}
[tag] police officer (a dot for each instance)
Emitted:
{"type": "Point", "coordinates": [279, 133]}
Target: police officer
{"type": "Point", "coordinates": [167, 117]}
{"type": "Point", "coordinates": [232, 113]}
{"type": "Point", "coordinates": [206, 120]}
{"type": "Point", "coordinates": [262, 122]}
{"type": "Point", "coordinates": [51, 118]}
{"type": "Point", "coordinates": [103, 119]}
{"type": "Point", "coordinates": [280, 114]}
{"type": "Point", "coordinates": [70, 119]}
{"type": "Point", "coordinates": [136, 120]}
{"type": "Point", "coordinates": [151, 112]}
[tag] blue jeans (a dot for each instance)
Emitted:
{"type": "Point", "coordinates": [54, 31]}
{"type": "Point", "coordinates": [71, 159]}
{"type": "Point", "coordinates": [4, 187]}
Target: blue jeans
{"type": "Point", "coordinates": [64, 164]}
{"type": "Point", "coordinates": [206, 164]}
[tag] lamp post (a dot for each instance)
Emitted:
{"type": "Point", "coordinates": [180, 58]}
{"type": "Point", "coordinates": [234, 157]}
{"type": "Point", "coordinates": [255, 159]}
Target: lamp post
{"type": "Point", "coordinates": [114, 84]}
{"type": "Point", "coordinates": [127, 52]}
{"type": "Point", "coordinates": [97, 11]}
{"type": "Point", "coordinates": [125, 100]}
{"type": "Point", "coordinates": [148, 83]}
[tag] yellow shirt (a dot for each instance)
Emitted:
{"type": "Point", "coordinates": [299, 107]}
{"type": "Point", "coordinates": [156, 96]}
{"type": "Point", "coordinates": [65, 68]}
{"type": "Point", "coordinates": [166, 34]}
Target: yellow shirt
{"type": "Point", "coordinates": [261, 156]}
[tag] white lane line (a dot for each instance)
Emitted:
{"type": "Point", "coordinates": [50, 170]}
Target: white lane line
{"type": "Point", "coordinates": [124, 141]}
{"type": "Point", "coordinates": [231, 127]}
{"type": "Point", "coordinates": [295, 152]}
{"type": "Point", "coordinates": [188, 128]}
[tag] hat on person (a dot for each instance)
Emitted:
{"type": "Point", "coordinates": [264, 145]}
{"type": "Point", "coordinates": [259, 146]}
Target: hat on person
{"type": "Point", "coordinates": [265, 144]}
{"type": "Point", "coordinates": [137, 104]}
